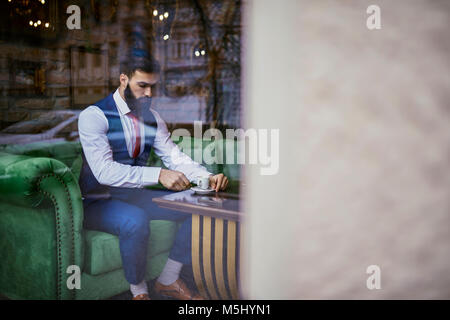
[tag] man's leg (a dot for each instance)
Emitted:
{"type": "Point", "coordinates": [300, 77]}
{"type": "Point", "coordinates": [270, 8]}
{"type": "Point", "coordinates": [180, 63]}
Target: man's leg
{"type": "Point", "coordinates": [181, 250]}
{"type": "Point", "coordinates": [179, 254]}
{"type": "Point", "coordinates": [142, 198]}
{"type": "Point", "coordinates": [131, 224]}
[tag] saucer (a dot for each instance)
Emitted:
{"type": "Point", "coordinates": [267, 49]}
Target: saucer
{"type": "Point", "coordinates": [202, 191]}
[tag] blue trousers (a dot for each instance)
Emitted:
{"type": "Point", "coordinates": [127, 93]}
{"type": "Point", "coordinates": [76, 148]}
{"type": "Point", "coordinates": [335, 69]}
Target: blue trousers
{"type": "Point", "coordinates": [127, 214]}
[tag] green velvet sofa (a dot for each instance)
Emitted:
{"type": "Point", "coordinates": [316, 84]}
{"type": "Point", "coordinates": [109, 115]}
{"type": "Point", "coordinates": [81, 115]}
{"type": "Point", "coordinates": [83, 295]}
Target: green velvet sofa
{"type": "Point", "coordinates": [41, 224]}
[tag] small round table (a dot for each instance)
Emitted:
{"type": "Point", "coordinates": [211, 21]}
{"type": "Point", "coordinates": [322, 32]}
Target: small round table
{"type": "Point", "coordinates": [215, 240]}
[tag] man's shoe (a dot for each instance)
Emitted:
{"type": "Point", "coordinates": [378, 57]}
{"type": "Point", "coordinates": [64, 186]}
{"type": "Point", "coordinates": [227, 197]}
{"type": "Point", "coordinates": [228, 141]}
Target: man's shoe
{"type": "Point", "coordinates": [176, 290]}
{"type": "Point", "coordinates": [143, 296]}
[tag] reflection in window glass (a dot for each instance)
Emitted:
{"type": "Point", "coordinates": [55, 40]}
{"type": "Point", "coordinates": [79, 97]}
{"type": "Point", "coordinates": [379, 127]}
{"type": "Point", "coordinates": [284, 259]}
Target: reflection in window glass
{"type": "Point", "coordinates": [47, 67]}
{"type": "Point", "coordinates": [73, 130]}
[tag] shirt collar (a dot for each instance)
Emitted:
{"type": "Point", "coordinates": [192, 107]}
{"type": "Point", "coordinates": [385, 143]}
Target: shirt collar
{"type": "Point", "coordinates": [120, 103]}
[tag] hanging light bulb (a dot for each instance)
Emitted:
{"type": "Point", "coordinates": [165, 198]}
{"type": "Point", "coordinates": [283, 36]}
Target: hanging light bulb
{"type": "Point", "coordinates": [35, 24]}
{"type": "Point", "coordinates": [155, 12]}
{"type": "Point", "coordinates": [161, 17]}
{"type": "Point", "coordinates": [166, 37]}
{"type": "Point", "coordinates": [43, 1]}
{"type": "Point", "coordinates": [203, 52]}
{"type": "Point", "coordinates": [197, 53]}
{"type": "Point", "coordinates": [31, 23]}
{"type": "Point", "coordinates": [39, 22]}
{"type": "Point", "coordinates": [166, 15]}
{"type": "Point", "coordinates": [47, 24]}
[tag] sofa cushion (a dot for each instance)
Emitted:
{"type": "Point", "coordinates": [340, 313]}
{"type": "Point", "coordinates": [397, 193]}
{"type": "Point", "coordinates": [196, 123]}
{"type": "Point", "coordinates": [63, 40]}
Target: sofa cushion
{"type": "Point", "coordinates": [102, 249]}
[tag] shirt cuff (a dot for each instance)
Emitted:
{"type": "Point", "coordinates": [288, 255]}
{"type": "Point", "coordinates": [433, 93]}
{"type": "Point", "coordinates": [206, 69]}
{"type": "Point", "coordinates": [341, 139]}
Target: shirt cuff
{"type": "Point", "coordinates": [150, 176]}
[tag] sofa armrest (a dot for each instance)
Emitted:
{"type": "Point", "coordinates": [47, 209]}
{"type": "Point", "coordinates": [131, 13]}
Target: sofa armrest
{"type": "Point", "coordinates": [26, 181]}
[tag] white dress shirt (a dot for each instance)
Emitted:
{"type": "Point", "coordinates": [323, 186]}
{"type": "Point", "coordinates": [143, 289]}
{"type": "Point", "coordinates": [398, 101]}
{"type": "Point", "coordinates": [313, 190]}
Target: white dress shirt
{"type": "Point", "coordinates": [93, 129]}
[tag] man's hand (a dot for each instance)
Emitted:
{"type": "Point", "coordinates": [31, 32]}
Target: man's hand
{"type": "Point", "coordinates": [173, 180]}
{"type": "Point", "coordinates": [218, 182]}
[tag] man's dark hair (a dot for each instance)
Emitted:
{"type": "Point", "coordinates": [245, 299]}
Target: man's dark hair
{"type": "Point", "coordinates": [140, 60]}
{"type": "Point", "coordinates": [138, 52]}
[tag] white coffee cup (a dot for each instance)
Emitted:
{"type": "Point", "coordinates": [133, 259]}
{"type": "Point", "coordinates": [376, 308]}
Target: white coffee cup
{"type": "Point", "coordinates": [202, 182]}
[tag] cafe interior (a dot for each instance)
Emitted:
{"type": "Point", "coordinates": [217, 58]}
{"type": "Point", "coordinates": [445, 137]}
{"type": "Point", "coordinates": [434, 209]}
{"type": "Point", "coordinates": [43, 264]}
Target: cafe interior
{"type": "Point", "coordinates": [56, 59]}
{"type": "Point", "coordinates": [337, 161]}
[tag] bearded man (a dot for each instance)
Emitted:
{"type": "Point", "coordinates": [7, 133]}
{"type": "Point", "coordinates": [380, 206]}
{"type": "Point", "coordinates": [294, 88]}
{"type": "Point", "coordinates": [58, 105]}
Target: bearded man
{"type": "Point", "coordinates": [117, 135]}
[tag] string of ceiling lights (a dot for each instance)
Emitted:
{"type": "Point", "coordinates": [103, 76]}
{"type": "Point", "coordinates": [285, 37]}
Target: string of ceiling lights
{"type": "Point", "coordinates": [32, 23]}
{"type": "Point", "coordinates": [161, 17]}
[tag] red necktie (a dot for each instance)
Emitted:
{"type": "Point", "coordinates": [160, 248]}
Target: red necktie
{"type": "Point", "coordinates": [137, 146]}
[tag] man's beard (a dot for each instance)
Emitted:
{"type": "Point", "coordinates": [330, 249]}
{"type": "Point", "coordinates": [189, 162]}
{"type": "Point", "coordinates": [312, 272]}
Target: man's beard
{"type": "Point", "coordinates": [137, 105]}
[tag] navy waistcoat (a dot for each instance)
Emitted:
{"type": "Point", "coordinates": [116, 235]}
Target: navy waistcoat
{"type": "Point", "coordinates": [116, 137]}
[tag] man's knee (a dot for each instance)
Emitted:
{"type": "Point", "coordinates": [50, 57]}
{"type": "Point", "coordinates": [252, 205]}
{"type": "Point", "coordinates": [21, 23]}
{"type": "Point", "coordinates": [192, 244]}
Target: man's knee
{"type": "Point", "coordinates": [135, 225]}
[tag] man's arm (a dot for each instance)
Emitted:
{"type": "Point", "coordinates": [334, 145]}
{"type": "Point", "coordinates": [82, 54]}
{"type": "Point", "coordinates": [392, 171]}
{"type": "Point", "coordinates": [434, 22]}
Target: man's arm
{"type": "Point", "coordinates": [172, 156]}
{"type": "Point", "coordinates": [182, 168]}
{"type": "Point", "coordinates": [93, 127]}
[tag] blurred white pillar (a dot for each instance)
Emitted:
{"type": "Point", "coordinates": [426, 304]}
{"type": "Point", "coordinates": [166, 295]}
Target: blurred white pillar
{"type": "Point", "coordinates": [270, 102]}
{"type": "Point", "coordinates": [364, 150]}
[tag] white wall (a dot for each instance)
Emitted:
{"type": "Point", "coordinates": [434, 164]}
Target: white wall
{"type": "Point", "coordinates": [364, 149]}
